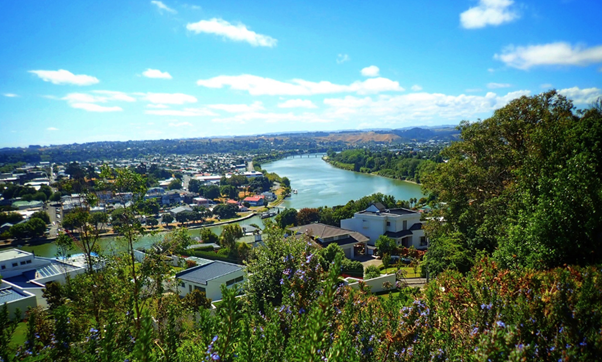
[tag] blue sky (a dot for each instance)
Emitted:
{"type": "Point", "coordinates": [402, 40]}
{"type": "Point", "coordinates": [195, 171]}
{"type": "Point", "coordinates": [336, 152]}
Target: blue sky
{"type": "Point", "coordinates": [84, 71]}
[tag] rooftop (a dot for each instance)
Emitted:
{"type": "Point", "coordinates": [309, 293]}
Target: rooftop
{"type": "Point", "coordinates": [9, 294]}
{"type": "Point", "coordinates": [323, 231]}
{"type": "Point", "coordinates": [13, 254]}
{"type": "Point", "coordinates": [203, 273]}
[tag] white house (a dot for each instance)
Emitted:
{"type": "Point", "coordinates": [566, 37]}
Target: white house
{"type": "Point", "coordinates": [30, 273]}
{"type": "Point", "coordinates": [402, 225]}
{"type": "Point", "coordinates": [209, 278]}
{"type": "Point", "coordinates": [325, 235]}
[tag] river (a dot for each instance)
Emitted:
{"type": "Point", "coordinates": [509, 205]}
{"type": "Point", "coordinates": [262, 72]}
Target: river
{"type": "Point", "coordinates": [317, 182]}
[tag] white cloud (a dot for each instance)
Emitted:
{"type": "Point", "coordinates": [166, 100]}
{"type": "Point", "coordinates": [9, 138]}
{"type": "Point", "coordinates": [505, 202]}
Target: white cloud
{"type": "Point", "coordinates": [238, 108]}
{"type": "Point", "coordinates": [52, 129]}
{"type": "Point", "coordinates": [394, 110]}
{"type": "Point", "coordinates": [416, 88]}
{"type": "Point", "coordinates": [100, 96]}
{"type": "Point", "coordinates": [488, 12]}
{"type": "Point", "coordinates": [498, 85]}
{"type": "Point", "coordinates": [155, 73]}
{"type": "Point", "coordinates": [371, 71]}
{"type": "Point", "coordinates": [342, 58]}
{"type": "Point", "coordinates": [91, 107]}
{"type": "Point", "coordinates": [256, 85]}
{"type": "Point", "coordinates": [233, 32]}
{"type": "Point", "coordinates": [561, 53]}
{"type": "Point", "coordinates": [582, 96]}
{"type": "Point", "coordinates": [62, 76]}
{"type": "Point", "coordinates": [546, 86]}
{"type": "Point", "coordinates": [169, 98]}
{"type": "Point", "coordinates": [180, 124]}
{"type": "Point", "coordinates": [162, 6]}
{"type": "Point", "coordinates": [186, 112]}
{"type": "Point", "coordinates": [10, 95]}
{"type": "Point", "coordinates": [297, 103]}
{"type": "Point", "coordinates": [159, 106]}
{"type": "Point", "coordinates": [270, 117]}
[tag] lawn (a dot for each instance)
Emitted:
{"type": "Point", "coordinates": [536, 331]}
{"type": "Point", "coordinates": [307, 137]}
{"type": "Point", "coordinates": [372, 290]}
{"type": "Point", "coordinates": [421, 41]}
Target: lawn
{"type": "Point", "coordinates": [409, 271]}
{"type": "Point", "coordinates": [20, 335]}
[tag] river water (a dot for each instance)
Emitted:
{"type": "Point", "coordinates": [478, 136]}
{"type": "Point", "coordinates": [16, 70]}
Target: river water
{"type": "Point", "coordinates": [317, 184]}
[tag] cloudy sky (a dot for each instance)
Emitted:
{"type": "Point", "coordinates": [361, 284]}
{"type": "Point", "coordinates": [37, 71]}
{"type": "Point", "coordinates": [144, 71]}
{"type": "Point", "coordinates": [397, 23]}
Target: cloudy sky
{"type": "Point", "coordinates": [83, 71]}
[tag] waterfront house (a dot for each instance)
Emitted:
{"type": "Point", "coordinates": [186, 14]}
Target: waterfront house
{"type": "Point", "coordinates": [209, 278]}
{"type": "Point", "coordinates": [324, 235]}
{"type": "Point", "coordinates": [402, 225]}
{"type": "Point", "coordinates": [257, 200]}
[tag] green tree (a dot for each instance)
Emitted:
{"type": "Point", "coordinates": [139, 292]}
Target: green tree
{"type": "Point", "coordinates": [175, 185]}
{"type": "Point", "coordinates": [307, 216]}
{"type": "Point", "coordinates": [371, 272]}
{"type": "Point", "coordinates": [385, 245]}
{"type": "Point", "coordinates": [194, 185]}
{"type": "Point", "coordinates": [208, 236]}
{"type": "Point", "coordinates": [225, 211]}
{"type": "Point", "coordinates": [525, 184]}
{"type": "Point", "coordinates": [286, 182]}
{"type": "Point", "coordinates": [229, 191]}
{"type": "Point", "coordinates": [230, 233]}
{"type": "Point", "coordinates": [42, 215]}
{"type": "Point", "coordinates": [287, 218]}
{"type": "Point", "coordinates": [166, 218]}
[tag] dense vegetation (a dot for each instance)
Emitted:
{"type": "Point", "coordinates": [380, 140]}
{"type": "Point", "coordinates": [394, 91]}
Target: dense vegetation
{"type": "Point", "coordinates": [523, 186]}
{"type": "Point", "coordinates": [404, 165]}
{"type": "Point", "coordinates": [519, 198]}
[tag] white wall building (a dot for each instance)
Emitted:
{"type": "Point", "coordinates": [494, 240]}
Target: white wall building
{"type": "Point", "coordinates": [209, 278]}
{"type": "Point", "coordinates": [402, 225]}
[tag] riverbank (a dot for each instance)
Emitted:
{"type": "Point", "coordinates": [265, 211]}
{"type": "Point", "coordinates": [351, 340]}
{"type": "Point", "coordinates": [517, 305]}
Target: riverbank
{"type": "Point", "coordinates": [340, 166]}
{"type": "Point", "coordinates": [162, 230]}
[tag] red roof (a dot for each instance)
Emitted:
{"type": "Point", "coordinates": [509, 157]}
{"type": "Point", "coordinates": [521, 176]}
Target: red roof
{"type": "Point", "coordinates": [254, 198]}
{"type": "Point", "coordinates": [232, 202]}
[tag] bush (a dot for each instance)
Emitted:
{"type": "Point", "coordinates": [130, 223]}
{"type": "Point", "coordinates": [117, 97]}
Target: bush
{"type": "Point", "coordinates": [371, 272]}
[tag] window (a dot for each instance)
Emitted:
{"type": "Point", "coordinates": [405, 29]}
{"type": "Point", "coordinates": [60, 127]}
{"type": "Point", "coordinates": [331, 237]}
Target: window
{"type": "Point", "coordinates": [15, 264]}
{"type": "Point", "coordinates": [234, 281]}
{"type": "Point", "coordinates": [405, 224]}
{"type": "Point", "coordinates": [201, 289]}
{"type": "Point", "coordinates": [3, 267]}
{"type": "Point", "coordinates": [388, 223]}
{"type": "Point", "coordinates": [189, 287]}
{"type": "Point", "coordinates": [183, 285]}
{"type": "Point", "coordinates": [23, 262]}
{"type": "Point", "coordinates": [29, 262]}
{"type": "Point", "coordinates": [423, 241]}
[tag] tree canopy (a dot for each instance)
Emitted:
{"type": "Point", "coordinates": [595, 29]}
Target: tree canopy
{"type": "Point", "coordinates": [523, 185]}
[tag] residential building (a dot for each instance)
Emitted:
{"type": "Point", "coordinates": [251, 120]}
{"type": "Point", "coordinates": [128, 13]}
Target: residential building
{"type": "Point", "coordinates": [16, 299]}
{"type": "Point", "coordinates": [257, 200]}
{"type": "Point", "coordinates": [324, 235]}
{"type": "Point", "coordinates": [179, 209]}
{"type": "Point", "coordinates": [209, 278]}
{"type": "Point", "coordinates": [402, 225]}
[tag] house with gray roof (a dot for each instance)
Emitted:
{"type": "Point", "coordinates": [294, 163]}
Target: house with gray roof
{"type": "Point", "coordinates": [16, 298]}
{"type": "Point", "coordinates": [324, 235]}
{"type": "Point", "coordinates": [402, 225]}
{"type": "Point", "coordinates": [209, 278]}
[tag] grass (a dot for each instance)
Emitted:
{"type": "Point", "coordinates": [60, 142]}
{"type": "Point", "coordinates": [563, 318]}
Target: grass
{"type": "Point", "coordinates": [20, 335]}
{"type": "Point", "coordinates": [409, 271]}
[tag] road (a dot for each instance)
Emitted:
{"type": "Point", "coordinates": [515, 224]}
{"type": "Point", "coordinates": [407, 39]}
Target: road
{"type": "Point", "coordinates": [250, 166]}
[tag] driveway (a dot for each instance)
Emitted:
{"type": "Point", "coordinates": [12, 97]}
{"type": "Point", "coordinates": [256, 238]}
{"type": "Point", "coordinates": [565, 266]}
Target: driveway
{"type": "Point", "coordinates": [367, 260]}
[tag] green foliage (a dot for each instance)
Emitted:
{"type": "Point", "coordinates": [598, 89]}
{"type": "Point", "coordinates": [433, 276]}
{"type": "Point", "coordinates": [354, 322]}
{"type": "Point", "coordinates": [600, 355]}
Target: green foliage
{"type": "Point", "coordinates": [194, 185]}
{"type": "Point", "coordinates": [524, 183]}
{"type": "Point", "coordinates": [42, 215]}
{"type": "Point", "coordinates": [230, 233]}
{"type": "Point", "coordinates": [287, 218]}
{"type": "Point", "coordinates": [371, 272]}
{"type": "Point", "coordinates": [229, 191]}
{"type": "Point", "coordinates": [208, 236]}
{"type": "Point", "coordinates": [307, 216]}
{"type": "Point", "coordinates": [7, 328]}
{"type": "Point", "coordinates": [166, 218]}
{"type": "Point", "coordinates": [196, 299]}
{"type": "Point", "coordinates": [175, 185]}
{"type": "Point", "coordinates": [404, 165]}
{"type": "Point", "coordinates": [10, 217]}
{"type": "Point", "coordinates": [32, 228]}
{"type": "Point", "coordinates": [385, 245]}
{"type": "Point", "coordinates": [225, 211]}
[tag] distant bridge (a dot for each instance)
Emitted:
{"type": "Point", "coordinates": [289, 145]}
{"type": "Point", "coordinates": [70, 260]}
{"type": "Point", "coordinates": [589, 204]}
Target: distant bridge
{"type": "Point", "coordinates": [308, 155]}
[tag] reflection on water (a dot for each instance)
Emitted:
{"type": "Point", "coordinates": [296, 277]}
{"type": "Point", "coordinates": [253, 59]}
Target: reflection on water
{"type": "Point", "coordinates": [320, 184]}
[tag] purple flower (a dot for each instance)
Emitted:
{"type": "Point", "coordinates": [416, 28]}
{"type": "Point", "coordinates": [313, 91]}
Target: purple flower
{"type": "Point", "coordinates": [501, 324]}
